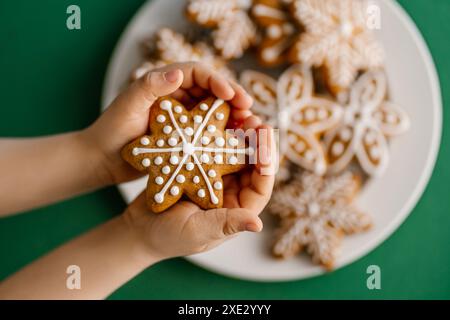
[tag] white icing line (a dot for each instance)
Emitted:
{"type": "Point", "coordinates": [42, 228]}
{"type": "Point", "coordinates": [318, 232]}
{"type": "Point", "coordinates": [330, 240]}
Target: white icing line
{"type": "Point", "coordinates": [175, 124]}
{"type": "Point", "coordinates": [214, 106]}
{"type": "Point", "coordinates": [137, 151]}
{"type": "Point", "coordinates": [213, 196]}
{"type": "Point", "coordinates": [174, 175]}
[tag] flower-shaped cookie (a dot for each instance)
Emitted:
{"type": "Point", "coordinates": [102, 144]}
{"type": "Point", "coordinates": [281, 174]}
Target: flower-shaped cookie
{"type": "Point", "coordinates": [367, 120]}
{"type": "Point", "coordinates": [315, 214]}
{"type": "Point", "coordinates": [187, 152]}
{"type": "Point", "coordinates": [172, 47]}
{"type": "Point", "coordinates": [338, 39]}
{"type": "Point", "coordinates": [290, 106]}
{"type": "Point", "coordinates": [234, 31]}
{"type": "Point", "coordinates": [279, 31]}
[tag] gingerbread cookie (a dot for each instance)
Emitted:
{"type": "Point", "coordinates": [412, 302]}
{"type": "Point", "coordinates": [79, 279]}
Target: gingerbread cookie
{"type": "Point", "coordinates": [367, 120]}
{"type": "Point", "coordinates": [171, 47]}
{"type": "Point", "coordinates": [278, 31]}
{"type": "Point", "coordinates": [338, 39]}
{"type": "Point", "coordinates": [234, 31]}
{"type": "Point", "coordinates": [187, 152]}
{"type": "Point", "coordinates": [290, 105]}
{"type": "Point", "coordinates": [315, 214]}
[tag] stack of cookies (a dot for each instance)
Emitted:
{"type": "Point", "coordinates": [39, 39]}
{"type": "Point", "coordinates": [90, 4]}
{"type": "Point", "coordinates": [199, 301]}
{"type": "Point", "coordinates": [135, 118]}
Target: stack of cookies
{"type": "Point", "coordinates": [329, 101]}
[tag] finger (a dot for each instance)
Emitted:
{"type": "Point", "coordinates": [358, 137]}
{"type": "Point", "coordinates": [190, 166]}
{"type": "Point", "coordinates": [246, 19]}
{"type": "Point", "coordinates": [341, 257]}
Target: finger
{"type": "Point", "coordinates": [231, 192]}
{"type": "Point", "coordinates": [241, 99]}
{"type": "Point", "coordinates": [197, 92]}
{"type": "Point", "coordinates": [139, 97]}
{"type": "Point", "coordinates": [240, 115]}
{"type": "Point", "coordinates": [221, 223]}
{"type": "Point", "coordinates": [252, 122]}
{"type": "Point", "coordinates": [182, 96]}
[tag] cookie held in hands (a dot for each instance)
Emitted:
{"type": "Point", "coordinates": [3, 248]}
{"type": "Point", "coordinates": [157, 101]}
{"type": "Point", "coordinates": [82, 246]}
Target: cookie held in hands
{"type": "Point", "coordinates": [187, 152]}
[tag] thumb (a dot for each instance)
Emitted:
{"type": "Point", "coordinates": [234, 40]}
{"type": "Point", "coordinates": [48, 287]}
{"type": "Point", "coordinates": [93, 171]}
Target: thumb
{"type": "Point", "coordinates": [139, 97]}
{"type": "Point", "coordinates": [221, 223]}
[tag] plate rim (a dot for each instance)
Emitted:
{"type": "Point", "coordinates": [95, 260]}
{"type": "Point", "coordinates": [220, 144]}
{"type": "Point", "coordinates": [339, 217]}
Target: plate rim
{"type": "Point", "coordinates": [413, 199]}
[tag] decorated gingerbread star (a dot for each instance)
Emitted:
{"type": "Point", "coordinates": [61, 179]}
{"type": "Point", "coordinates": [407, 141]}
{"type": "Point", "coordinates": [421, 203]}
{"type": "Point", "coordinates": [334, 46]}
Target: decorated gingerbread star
{"type": "Point", "coordinates": [368, 119]}
{"type": "Point", "coordinates": [290, 105]}
{"type": "Point", "coordinates": [172, 47]}
{"type": "Point", "coordinates": [234, 31]}
{"type": "Point", "coordinates": [337, 38]}
{"type": "Point", "coordinates": [187, 152]}
{"type": "Point", "coordinates": [315, 213]}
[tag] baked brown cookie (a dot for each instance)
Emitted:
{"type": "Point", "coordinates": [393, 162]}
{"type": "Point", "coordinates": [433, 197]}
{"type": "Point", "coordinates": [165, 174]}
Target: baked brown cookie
{"type": "Point", "coordinates": [187, 152]}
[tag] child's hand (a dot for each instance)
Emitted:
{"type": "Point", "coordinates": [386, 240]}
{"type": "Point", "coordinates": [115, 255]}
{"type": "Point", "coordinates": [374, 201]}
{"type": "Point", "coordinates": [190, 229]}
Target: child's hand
{"type": "Point", "coordinates": [186, 229]}
{"type": "Point", "coordinates": [127, 117]}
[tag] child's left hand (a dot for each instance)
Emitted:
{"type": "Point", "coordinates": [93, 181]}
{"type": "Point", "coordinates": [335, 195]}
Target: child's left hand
{"type": "Point", "coordinates": [127, 117]}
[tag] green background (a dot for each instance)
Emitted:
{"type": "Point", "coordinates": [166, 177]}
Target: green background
{"type": "Point", "coordinates": [51, 81]}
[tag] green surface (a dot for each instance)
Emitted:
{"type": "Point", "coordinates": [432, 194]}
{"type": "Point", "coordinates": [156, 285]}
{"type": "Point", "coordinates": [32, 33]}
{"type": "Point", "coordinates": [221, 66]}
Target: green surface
{"type": "Point", "coordinates": [51, 80]}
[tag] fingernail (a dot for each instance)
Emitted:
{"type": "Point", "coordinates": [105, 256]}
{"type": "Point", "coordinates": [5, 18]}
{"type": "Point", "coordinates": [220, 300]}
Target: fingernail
{"type": "Point", "coordinates": [252, 227]}
{"type": "Point", "coordinates": [171, 76]}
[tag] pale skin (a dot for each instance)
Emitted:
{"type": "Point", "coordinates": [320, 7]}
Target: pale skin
{"type": "Point", "coordinates": [40, 171]}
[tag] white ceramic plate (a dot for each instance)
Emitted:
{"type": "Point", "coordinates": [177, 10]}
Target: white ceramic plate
{"type": "Point", "coordinates": [413, 85]}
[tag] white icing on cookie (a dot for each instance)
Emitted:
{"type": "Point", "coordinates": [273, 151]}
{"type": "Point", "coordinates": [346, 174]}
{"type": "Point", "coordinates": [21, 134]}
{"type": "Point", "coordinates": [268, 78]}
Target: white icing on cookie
{"type": "Point", "coordinates": [198, 119]}
{"type": "Point", "coordinates": [174, 191]}
{"type": "Point", "coordinates": [158, 160]}
{"type": "Point", "coordinates": [196, 179]}
{"type": "Point", "coordinates": [183, 119]}
{"type": "Point", "coordinates": [167, 129]}
{"type": "Point", "coordinates": [165, 170]}
{"type": "Point", "coordinates": [212, 173]}
{"type": "Point", "coordinates": [160, 143]}
{"type": "Point", "coordinates": [146, 162]}
{"type": "Point", "coordinates": [159, 180]}
{"type": "Point", "coordinates": [219, 116]}
{"type": "Point", "coordinates": [218, 185]}
{"type": "Point", "coordinates": [161, 118]}
{"type": "Point", "coordinates": [145, 141]}
{"type": "Point", "coordinates": [181, 178]}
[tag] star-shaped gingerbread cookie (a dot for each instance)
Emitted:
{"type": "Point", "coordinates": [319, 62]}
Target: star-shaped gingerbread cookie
{"type": "Point", "coordinates": [187, 152]}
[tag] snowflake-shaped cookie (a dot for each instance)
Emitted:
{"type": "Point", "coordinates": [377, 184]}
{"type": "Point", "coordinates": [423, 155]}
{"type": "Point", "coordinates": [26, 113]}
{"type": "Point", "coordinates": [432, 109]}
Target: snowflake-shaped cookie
{"type": "Point", "coordinates": [315, 214]}
{"type": "Point", "coordinates": [337, 38]}
{"type": "Point", "coordinates": [274, 18]}
{"type": "Point", "coordinates": [367, 120]}
{"type": "Point", "coordinates": [187, 152]}
{"type": "Point", "coordinates": [172, 47]}
{"type": "Point", "coordinates": [234, 31]}
{"type": "Point", "coordinates": [289, 105]}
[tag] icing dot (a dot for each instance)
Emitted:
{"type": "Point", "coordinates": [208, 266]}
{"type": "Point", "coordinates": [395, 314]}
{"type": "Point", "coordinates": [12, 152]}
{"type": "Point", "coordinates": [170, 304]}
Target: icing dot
{"type": "Point", "coordinates": [188, 148]}
{"type": "Point", "coordinates": [158, 160]}
{"type": "Point", "coordinates": [206, 140]}
{"type": "Point", "coordinates": [233, 160]}
{"type": "Point", "coordinates": [298, 117]}
{"type": "Point", "coordinates": [196, 179]}
{"type": "Point", "coordinates": [233, 142]}
{"type": "Point", "coordinates": [183, 119]}
{"type": "Point", "coordinates": [172, 142]}
{"type": "Point", "coordinates": [212, 173]}
{"type": "Point", "coordinates": [178, 109]}
{"type": "Point", "coordinates": [211, 128]}
{"type": "Point", "coordinates": [135, 151]}
{"type": "Point", "coordinates": [198, 119]}
{"type": "Point", "coordinates": [322, 114]}
{"type": "Point", "coordinates": [146, 162]}
{"type": "Point", "coordinates": [204, 107]}
{"type": "Point", "coordinates": [218, 185]}
{"type": "Point", "coordinates": [274, 31]}
{"type": "Point", "coordinates": [204, 158]}
{"type": "Point", "coordinates": [375, 153]}
{"type": "Point", "coordinates": [161, 118]}
{"type": "Point", "coordinates": [370, 138]}
{"type": "Point", "coordinates": [166, 105]}
{"type": "Point", "coordinates": [309, 155]}
{"type": "Point", "coordinates": [189, 131]}
{"type": "Point", "coordinates": [145, 141]}
{"type": "Point", "coordinates": [160, 143]}
{"type": "Point", "coordinates": [159, 198]}
{"type": "Point", "coordinates": [345, 134]}
{"type": "Point", "coordinates": [201, 193]}
{"type": "Point", "coordinates": [159, 180]}
{"type": "Point", "coordinates": [337, 149]}
{"type": "Point", "coordinates": [220, 142]}
{"type": "Point", "coordinates": [218, 159]}
{"type": "Point", "coordinates": [310, 115]}
{"type": "Point", "coordinates": [313, 209]}
{"type": "Point", "coordinates": [174, 191]}
{"type": "Point", "coordinates": [189, 166]}
{"type": "Point", "coordinates": [181, 178]}
{"type": "Point", "coordinates": [166, 170]}
{"type": "Point", "coordinates": [391, 119]}
{"type": "Point", "coordinates": [220, 116]}
{"type": "Point", "coordinates": [174, 160]}
{"type": "Point", "coordinates": [320, 167]}
{"type": "Point", "coordinates": [300, 146]}
{"type": "Point", "coordinates": [167, 129]}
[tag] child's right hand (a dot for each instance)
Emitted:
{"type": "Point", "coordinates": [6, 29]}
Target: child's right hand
{"type": "Point", "coordinates": [186, 229]}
